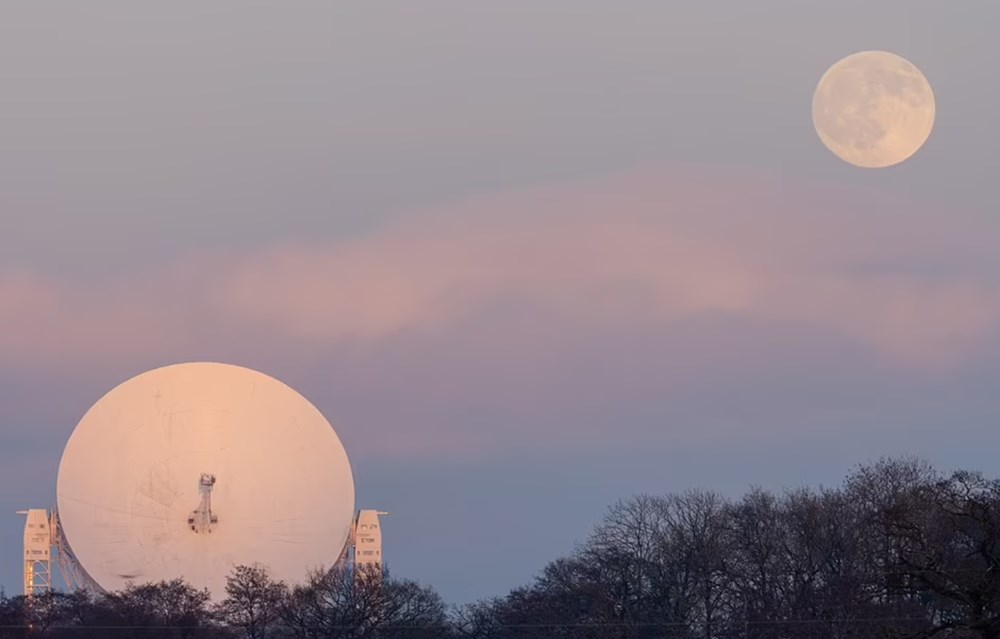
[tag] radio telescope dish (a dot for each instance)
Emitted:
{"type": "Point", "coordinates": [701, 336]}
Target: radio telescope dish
{"type": "Point", "coordinates": [191, 469]}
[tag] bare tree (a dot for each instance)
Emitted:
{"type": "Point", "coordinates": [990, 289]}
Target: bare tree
{"type": "Point", "coordinates": [948, 552]}
{"type": "Point", "coordinates": [363, 602]}
{"type": "Point", "coordinates": [45, 614]}
{"type": "Point", "coordinates": [697, 537]}
{"type": "Point", "coordinates": [758, 563]}
{"type": "Point", "coordinates": [479, 620]}
{"type": "Point", "coordinates": [173, 609]}
{"type": "Point", "coordinates": [253, 601]}
{"type": "Point", "coordinates": [626, 548]}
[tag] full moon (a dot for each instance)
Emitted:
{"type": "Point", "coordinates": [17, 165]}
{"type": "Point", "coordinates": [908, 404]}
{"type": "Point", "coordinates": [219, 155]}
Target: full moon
{"type": "Point", "coordinates": [873, 109]}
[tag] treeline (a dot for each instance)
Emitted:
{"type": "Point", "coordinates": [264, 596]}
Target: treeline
{"type": "Point", "coordinates": [336, 603]}
{"type": "Point", "coordinates": [897, 551]}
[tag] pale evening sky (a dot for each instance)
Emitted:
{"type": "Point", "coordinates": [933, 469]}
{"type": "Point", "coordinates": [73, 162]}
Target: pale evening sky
{"type": "Point", "coordinates": [527, 257]}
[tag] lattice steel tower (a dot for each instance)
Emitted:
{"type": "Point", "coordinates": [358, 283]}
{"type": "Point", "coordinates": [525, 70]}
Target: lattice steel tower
{"type": "Point", "coordinates": [37, 552]}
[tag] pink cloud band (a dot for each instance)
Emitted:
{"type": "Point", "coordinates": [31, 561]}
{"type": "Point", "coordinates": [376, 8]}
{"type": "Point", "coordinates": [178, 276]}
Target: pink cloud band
{"type": "Point", "coordinates": [648, 248]}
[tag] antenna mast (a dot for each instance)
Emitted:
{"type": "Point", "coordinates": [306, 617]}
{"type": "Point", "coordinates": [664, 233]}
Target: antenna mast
{"type": "Point", "coordinates": [202, 520]}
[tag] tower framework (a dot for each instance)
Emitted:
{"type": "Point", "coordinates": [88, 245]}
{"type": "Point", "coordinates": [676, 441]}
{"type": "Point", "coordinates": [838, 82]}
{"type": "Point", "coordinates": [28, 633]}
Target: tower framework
{"type": "Point", "coordinates": [45, 551]}
{"type": "Point", "coordinates": [37, 552]}
{"type": "Point", "coordinates": [45, 545]}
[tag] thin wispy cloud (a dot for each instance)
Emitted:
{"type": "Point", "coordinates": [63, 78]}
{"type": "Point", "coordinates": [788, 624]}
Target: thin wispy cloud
{"type": "Point", "coordinates": [642, 249]}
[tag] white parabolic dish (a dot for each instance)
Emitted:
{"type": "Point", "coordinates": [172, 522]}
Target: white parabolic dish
{"type": "Point", "coordinates": [129, 480]}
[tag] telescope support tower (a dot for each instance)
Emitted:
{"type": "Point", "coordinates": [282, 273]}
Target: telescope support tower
{"type": "Point", "coordinates": [366, 538]}
{"type": "Point", "coordinates": [45, 544]}
{"type": "Point", "coordinates": [37, 552]}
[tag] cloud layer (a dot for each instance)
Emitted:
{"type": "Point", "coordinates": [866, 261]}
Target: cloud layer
{"type": "Point", "coordinates": [549, 297]}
